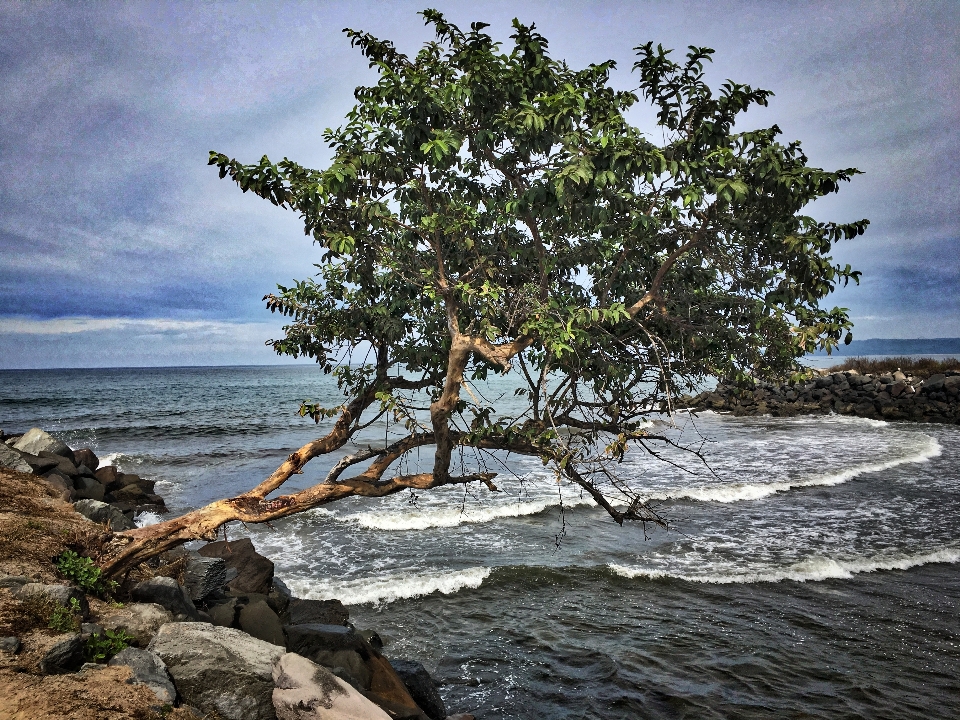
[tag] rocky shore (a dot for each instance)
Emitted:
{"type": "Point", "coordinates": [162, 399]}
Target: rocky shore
{"type": "Point", "coordinates": [893, 396]}
{"type": "Point", "coordinates": [209, 632]}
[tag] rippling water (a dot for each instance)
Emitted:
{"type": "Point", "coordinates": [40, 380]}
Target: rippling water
{"type": "Point", "coordinates": [813, 573]}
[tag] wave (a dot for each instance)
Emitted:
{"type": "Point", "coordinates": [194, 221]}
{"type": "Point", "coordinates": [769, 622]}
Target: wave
{"type": "Point", "coordinates": [389, 588]}
{"type": "Point", "coordinates": [736, 492]}
{"type": "Point", "coordinates": [811, 570]}
{"type": "Point", "coordinates": [447, 517]}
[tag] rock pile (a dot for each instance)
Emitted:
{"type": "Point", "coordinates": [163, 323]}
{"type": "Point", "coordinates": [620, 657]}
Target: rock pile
{"type": "Point", "coordinates": [894, 396]}
{"type": "Point", "coordinates": [101, 493]}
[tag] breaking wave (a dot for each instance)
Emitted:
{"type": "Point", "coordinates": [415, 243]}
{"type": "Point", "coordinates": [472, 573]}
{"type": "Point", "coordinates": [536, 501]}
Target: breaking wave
{"type": "Point", "coordinates": [391, 587]}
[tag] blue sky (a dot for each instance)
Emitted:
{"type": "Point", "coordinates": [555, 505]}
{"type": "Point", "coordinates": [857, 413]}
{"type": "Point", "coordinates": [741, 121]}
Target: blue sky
{"type": "Point", "coordinates": [120, 246]}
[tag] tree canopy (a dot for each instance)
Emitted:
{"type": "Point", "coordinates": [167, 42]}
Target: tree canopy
{"type": "Point", "coordinates": [489, 209]}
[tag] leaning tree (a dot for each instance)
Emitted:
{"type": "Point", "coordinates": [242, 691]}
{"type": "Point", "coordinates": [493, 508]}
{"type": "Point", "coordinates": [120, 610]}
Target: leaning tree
{"type": "Point", "coordinates": [491, 210]}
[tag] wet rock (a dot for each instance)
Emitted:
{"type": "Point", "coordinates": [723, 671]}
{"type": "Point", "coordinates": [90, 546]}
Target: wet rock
{"type": "Point", "coordinates": [146, 668]}
{"type": "Point", "coordinates": [323, 612]}
{"type": "Point", "coordinates": [101, 512]}
{"type": "Point", "coordinates": [260, 621]}
{"type": "Point", "coordinates": [140, 620]}
{"type": "Point", "coordinates": [35, 441]}
{"type": "Point", "coordinates": [65, 655]}
{"type": "Point", "coordinates": [306, 691]}
{"type": "Point", "coordinates": [86, 456]}
{"type": "Point", "coordinates": [219, 669]}
{"type": "Point", "coordinates": [203, 575]}
{"type": "Point", "coordinates": [421, 687]}
{"type": "Point", "coordinates": [167, 593]}
{"type": "Point", "coordinates": [254, 571]}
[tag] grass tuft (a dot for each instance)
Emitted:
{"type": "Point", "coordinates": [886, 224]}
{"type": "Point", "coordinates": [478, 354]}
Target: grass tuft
{"type": "Point", "coordinates": [918, 367]}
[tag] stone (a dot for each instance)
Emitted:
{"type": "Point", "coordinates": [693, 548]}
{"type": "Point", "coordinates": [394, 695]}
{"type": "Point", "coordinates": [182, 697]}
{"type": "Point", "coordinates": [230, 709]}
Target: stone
{"type": "Point", "coordinates": [88, 489]}
{"type": "Point", "coordinates": [224, 614]}
{"type": "Point", "coordinates": [219, 669]}
{"type": "Point", "coordinates": [13, 582]}
{"type": "Point", "coordinates": [10, 644]}
{"type": "Point", "coordinates": [372, 637]}
{"type": "Point", "coordinates": [167, 593]}
{"type": "Point", "coordinates": [335, 646]}
{"type": "Point", "coordinates": [128, 493]}
{"type": "Point", "coordinates": [10, 458]}
{"type": "Point", "coordinates": [932, 384]}
{"type": "Point", "coordinates": [306, 691]}
{"type": "Point", "coordinates": [86, 456]}
{"type": "Point", "coordinates": [39, 464]}
{"type": "Point", "coordinates": [254, 571]}
{"type": "Point", "coordinates": [107, 474]}
{"type": "Point", "coordinates": [140, 620]}
{"type": "Point", "coordinates": [146, 668]}
{"type": "Point", "coordinates": [60, 594]}
{"type": "Point", "coordinates": [279, 596]}
{"type": "Point", "coordinates": [61, 485]}
{"type": "Point", "coordinates": [203, 576]}
{"type": "Point", "coordinates": [88, 629]}
{"type": "Point", "coordinates": [324, 612]}
{"type": "Point", "coordinates": [101, 512]}
{"type": "Point", "coordinates": [421, 687]}
{"type": "Point", "coordinates": [260, 621]}
{"type": "Point", "coordinates": [35, 441]}
{"type": "Point", "coordinates": [65, 655]}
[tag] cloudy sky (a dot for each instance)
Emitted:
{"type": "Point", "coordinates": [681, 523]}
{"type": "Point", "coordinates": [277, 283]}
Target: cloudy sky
{"type": "Point", "coordinates": [119, 246]}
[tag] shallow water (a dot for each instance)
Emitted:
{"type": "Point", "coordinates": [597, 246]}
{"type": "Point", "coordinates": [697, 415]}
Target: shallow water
{"type": "Point", "coordinates": [814, 573]}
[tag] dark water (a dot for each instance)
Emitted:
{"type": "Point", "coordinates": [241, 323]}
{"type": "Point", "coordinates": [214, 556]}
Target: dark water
{"type": "Point", "coordinates": [815, 576]}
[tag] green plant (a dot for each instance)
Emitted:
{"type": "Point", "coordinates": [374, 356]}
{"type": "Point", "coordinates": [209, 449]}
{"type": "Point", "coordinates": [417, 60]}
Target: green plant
{"type": "Point", "coordinates": [65, 619]}
{"type": "Point", "coordinates": [102, 647]}
{"type": "Point", "coordinates": [84, 572]}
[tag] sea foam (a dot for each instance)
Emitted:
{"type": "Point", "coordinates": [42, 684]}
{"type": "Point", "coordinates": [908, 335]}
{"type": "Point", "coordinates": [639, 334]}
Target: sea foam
{"type": "Point", "coordinates": [380, 589]}
{"type": "Point", "coordinates": [810, 570]}
{"type": "Point", "coordinates": [736, 492]}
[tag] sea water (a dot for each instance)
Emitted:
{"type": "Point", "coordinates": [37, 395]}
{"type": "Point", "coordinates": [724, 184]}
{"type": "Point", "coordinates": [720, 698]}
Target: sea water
{"type": "Point", "coordinates": [810, 570]}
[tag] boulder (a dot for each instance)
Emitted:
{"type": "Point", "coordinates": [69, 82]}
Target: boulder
{"type": "Point", "coordinates": [167, 593]}
{"type": "Point", "coordinates": [13, 582]}
{"type": "Point", "coordinates": [146, 668]}
{"type": "Point", "coordinates": [65, 655]}
{"type": "Point", "coordinates": [10, 644]}
{"type": "Point", "coordinates": [35, 441]}
{"type": "Point", "coordinates": [279, 596]}
{"type": "Point", "coordinates": [60, 594]}
{"type": "Point", "coordinates": [65, 466]}
{"type": "Point", "coordinates": [306, 691]}
{"type": "Point", "coordinates": [203, 575]}
{"type": "Point", "coordinates": [39, 464]}
{"type": "Point", "coordinates": [62, 485]}
{"type": "Point", "coordinates": [139, 620]}
{"type": "Point", "coordinates": [932, 384]}
{"type": "Point", "coordinates": [101, 512]}
{"type": "Point", "coordinates": [324, 612]}
{"type": "Point", "coordinates": [88, 489]}
{"type": "Point", "coordinates": [259, 620]}
{"type": "Point", "coordinates": [224, 614]}
{"type": "Point", "coordinates": [421, 687]}
{"type": "Point", "coordinates": [219, 669]}
{"type": "Point", "coordinates": [130, 494]}
{"type": "Point", "coordinates": [10, 458]}
{"type": "Point", "coordinates": [254, 571]}
{"type": "Point", "coordinates": [334, 646]}
{"type": "Point", "coordinates": [86, 456]}
{"type": "Point", "coordinates": [107, 475]}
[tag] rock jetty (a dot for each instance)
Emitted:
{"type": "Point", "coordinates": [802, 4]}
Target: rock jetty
{"type": "Point", "coordinates": [893, 396]}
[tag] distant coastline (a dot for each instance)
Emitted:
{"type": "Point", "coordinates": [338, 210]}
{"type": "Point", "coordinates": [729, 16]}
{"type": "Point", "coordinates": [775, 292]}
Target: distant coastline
{"type": "Point", "coordinates": [891, 346]}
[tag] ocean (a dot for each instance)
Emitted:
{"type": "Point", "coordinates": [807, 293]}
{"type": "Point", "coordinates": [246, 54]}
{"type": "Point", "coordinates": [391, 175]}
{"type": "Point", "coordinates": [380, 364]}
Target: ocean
{"type": "Point", "coordinates": [810, 571]}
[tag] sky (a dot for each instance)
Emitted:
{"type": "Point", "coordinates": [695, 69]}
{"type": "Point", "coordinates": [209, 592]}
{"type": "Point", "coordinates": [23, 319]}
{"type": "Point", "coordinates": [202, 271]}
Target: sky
{"type": "Point", "coordinates": [119, 246]}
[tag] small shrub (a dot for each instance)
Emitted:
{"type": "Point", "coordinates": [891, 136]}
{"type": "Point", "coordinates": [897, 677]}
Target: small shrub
{"type": "Point", "coordinates": [84, 573]}
{"type": "Point", "coordinates": [101, 648]}
{"type": "Point", "coordinates": [65, 619]}
{"type": "Point", "coordinates": [921, 368]}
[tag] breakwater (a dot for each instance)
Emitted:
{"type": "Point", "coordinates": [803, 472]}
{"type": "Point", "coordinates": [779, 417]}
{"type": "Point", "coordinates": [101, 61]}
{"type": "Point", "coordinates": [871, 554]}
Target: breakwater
{"type": "Point", "coordinates": [892, 396]}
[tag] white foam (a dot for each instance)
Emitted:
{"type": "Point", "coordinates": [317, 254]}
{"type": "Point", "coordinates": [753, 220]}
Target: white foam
{"type": "Point", "coordinates": [736, 492]}
{"type": "Point", "coordinates": [147, 518]}
{"type": "Point", "coordinates": [381, 589]}
{"type": "Point", "coordinates": [447, 517]}
{"type": "Point", "coordinates": [810, 570]}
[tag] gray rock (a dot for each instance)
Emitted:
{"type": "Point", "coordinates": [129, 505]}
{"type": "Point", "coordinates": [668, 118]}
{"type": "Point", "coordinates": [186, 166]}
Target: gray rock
{"type": "Point", "coordinates": [306, 691]}
{"type": "Point", "coordinates": [35, 441]}
{"type": "Point", "coordinates": [64, 656]}
{"type": "Point", "coordinates": [337, 647]}
{"type": "Point", "coordinates": [61, 594]}
{"type": "Point", "coordinates": [10, 644]}
{"type": "Point", "coordinates": [934, 383]}
{"type": "Point", "coordinates": [224, 614]}
{"type": "Point", "coordinates": [61, 484]}
{"type": "Point", "coordinates": [87, 457]}
{"type": "Point", "coordinates": [88, 629]}
{"type": "Point", "coordinates": [146, 668]}
{"type": "Point", "coordinates": [167, 593]}
{"type": "Point", "coordinates": [421, 687]}
{"type": "Point", "coordinates": [101, 512]}
{"type": "Point", "coordinates": [140, 620]}
{"type": "Point", "coordinates": [88, 488]}
{"type": "Point", "coordinates": [324, 612]}
{"type": "Point", "coordinates": [279, 596]}
{"type": "Point", "coordinates": [39, 464]}
{"type": "Point", "coordinates": [260, 621]}
{"type": "Point", "coordinates": [254, 572]}
{"type": "Point", "coordinates": [219, 669]}
{"type": "Point", "coordinates": [13, 582]}
{"type": "Point", "coordinates": [203, 575]}
{"type": "Point", "coordinates": [10, 458]}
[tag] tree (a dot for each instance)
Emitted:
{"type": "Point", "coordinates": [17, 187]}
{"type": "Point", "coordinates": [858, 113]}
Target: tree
{"type": "Point", "coordinates": [495, 211]}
